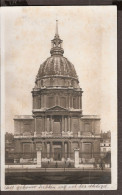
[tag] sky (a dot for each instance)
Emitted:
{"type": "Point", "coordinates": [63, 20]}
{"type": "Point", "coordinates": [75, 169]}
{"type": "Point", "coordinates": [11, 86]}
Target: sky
{"type": "Point", "coordinates": [89, 35]}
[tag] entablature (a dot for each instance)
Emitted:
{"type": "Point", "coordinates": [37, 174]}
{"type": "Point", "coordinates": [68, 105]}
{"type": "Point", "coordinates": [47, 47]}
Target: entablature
{"type": "Point", "coordinates": [58, 89]}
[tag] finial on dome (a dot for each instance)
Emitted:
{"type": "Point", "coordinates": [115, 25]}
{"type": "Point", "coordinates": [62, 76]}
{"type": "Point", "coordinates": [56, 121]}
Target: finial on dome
{"type": "Point", "coordinates": [56, 27]}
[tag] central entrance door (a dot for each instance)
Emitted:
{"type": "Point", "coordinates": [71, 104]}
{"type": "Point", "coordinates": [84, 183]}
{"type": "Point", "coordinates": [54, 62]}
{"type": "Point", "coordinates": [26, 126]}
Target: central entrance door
{"type": "Point", "coordinates": [57, 154]}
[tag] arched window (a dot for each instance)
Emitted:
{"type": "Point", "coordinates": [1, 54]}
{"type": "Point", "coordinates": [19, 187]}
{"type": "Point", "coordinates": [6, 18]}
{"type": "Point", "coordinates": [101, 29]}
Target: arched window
{"type": "Point", "coordinates": [74, 102]}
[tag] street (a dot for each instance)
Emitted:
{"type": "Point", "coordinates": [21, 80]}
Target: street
{"type": "Point", "coordinates": [58, 177]}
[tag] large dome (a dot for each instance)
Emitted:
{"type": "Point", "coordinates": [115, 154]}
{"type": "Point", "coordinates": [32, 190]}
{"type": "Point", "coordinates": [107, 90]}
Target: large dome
{"type": "Point", "coordinates": [57, 65]}
{"type": "Point", "coordinates": [56, 70]}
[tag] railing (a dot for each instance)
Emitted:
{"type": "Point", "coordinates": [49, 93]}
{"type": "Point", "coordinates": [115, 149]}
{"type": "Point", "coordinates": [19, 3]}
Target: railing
{"type": "Point", "coordinates": [61, 134]}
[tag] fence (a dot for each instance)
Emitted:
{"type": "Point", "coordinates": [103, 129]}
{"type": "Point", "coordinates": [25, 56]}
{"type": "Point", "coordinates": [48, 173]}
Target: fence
{"type": "Point", "coordinates": [60, 160]}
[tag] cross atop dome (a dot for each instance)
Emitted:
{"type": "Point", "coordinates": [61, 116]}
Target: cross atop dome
{"type": "Point", "coordinates": [56, 43]}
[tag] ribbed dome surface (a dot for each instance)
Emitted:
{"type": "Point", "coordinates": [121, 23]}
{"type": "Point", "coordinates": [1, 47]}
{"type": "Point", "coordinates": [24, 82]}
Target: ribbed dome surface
{"type": "Point", "coordinates": [57, 65]}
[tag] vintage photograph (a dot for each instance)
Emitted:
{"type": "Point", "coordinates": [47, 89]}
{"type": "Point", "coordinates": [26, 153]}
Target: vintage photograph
{"type": "Point", "coordinates": [59, 98]}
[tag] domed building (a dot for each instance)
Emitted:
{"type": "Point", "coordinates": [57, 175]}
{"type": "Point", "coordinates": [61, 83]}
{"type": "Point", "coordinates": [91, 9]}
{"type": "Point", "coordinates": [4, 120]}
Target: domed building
{"type": "Point", "coordinates": [57, 126]}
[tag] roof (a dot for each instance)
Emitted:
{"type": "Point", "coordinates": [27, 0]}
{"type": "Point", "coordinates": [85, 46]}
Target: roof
{"type": "Point", "coordinates": [90, 117]}
{"type": "Point", "coordinates": [23, 117]}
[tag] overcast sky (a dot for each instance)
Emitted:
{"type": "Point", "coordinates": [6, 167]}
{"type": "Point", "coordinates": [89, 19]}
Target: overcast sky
{"type": "Point", "coordinates": [89, 35]}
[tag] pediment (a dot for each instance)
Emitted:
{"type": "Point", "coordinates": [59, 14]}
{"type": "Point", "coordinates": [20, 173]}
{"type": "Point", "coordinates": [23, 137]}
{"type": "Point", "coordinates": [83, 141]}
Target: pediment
{"type": "Point", "coordinates": [56, 108]}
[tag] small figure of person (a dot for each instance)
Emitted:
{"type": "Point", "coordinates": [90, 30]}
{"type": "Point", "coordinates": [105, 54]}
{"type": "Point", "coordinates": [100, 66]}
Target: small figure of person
{"type": "Point", "coordinates": [56, 165]}
{"type": "Point", "coordinates": [69, 165]}
{"type": "Point", "coordinates": [95, 165]}
{"type": "Point", "coordinates": [101, 166]}
{"type": "Point", "coordinates": [48, 163]}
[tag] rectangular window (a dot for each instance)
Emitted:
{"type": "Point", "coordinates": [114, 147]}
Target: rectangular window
{"type": "Point", "coordinates": [26, 148]}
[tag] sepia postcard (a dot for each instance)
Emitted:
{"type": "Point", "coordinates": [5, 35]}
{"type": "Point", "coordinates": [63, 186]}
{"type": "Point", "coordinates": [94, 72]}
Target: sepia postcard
{"type": "Point", "coordinates": [59, 98]}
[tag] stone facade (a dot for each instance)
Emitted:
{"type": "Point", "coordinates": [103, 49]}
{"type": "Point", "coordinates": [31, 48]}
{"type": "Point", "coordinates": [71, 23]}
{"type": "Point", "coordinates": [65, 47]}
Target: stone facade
{"type": "Point", "coordinates": [57, 125]}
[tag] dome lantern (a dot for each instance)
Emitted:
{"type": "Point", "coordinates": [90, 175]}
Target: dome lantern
{"type": "Point", "coordinates": [56, 43]}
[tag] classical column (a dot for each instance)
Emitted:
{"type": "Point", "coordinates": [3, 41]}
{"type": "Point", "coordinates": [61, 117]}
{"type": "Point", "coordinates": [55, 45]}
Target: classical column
{"type": "Point", "coordinates": [69, 100]}
{"type": "Point", "coordinates": [69, 149]}
{"type": "Point", "coordinates": [68, 123]}
{"type": "Point", "coordinates": [45, 145]}
{"type": "Point", "coordinates": [79, 102]}
{"type": "Point", "coordinates": [39, 101]}
{"type": "Point", "coordinates": [50, 128]}
{"type": "Point", "coordinates": [72, 124]}
{"type": "Point", "coordinates": [51, 124]}
{"type": "Point", "coordinates": [68, 105]}
{"type": "Point", "coordinates": [79, 124]}
{"type": "Point", "coordinates": [80, 146]}
{"type": "Point", "coordinates": [44, 101]}
{"type": "Point", "coordinates": [92, 149]}
{"type": "Point", "coordinates": [43, 150]}
{"type": "Point", "coordinates": [65, 124]}
{"type": "Point", "coordinates": [63, 151]}
{"type": "Point", "coordinates": [72, 103]}
{"type": "Point", "coordinates": [45, 123]}
{"type": "Point", "coordinates": [35, 128]}
{"type": "Point", "coordinates": [42, 105]}
{"type": "Point", "coordinates": [62, 126]}
{"type": "Point", "coordinates": [51, 149]}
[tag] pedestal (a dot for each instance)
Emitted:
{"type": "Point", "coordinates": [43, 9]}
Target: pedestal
{"type": "Point", "coordinates": [76, 157]}
{"type": "Point", "coordinates": [39, 160]}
